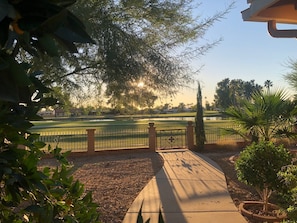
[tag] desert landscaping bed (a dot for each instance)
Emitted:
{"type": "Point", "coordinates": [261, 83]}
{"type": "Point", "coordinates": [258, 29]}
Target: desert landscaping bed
{"type": "Point", "coordinates": [116, 178]}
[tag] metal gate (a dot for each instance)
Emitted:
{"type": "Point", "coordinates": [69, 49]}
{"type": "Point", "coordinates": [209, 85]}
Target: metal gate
{"type": "Point", "coordinates": [171, 139]}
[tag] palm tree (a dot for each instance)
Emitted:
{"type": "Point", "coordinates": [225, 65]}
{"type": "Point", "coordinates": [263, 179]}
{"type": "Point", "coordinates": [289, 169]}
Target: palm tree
{"type": "Point", "coordinates": [266, 116]}
{"type": "Point", "coordinates": [268, 84]}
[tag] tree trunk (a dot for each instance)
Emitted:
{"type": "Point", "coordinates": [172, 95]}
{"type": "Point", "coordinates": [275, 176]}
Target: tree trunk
{"type": "Point", "coordinates": [266, 194]}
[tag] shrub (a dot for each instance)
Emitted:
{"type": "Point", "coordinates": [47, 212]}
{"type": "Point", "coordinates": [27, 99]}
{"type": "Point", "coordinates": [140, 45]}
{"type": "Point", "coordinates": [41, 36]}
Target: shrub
{"type": "Point", "coordinates": [28, 194]}
{"type": "Point", "coordinates": [258, 166]}
{"type": "Point", "coordinates": [288, 176]}
{"type": "Point", "coordinates": [49, 195]}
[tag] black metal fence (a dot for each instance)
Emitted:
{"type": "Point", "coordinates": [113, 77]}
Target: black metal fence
{"type": "Point", "coordinates": [75, 141]}
{"type": "Point", "coordinates": [121, 139]}
{"type": "Point", "coordinates": [128, 138]}
{"type": "Point", "coordinates": [171, 138]}
{"type": "Point", "coordinates": [216, 135]}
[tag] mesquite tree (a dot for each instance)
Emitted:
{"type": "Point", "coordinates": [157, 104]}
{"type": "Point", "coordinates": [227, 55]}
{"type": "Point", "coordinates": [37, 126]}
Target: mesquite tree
{"type": "Point", "coordinates": [136, 41]}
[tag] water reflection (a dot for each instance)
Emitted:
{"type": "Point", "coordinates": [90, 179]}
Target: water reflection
{"type": "Point", "coordinates": [102, 120]}
{"type": "Point", "coordinates": [212, 118]}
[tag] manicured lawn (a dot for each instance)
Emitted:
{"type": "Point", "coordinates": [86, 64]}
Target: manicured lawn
{"type": "Point", "coordinates": [123, 132]}
{"type": "Point", "coordinates": [100, 125]}
{"type": "Point", "coordinates": [175, 120]}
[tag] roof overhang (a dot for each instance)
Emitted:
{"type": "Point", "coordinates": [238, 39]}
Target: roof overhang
{"type": "Point", "coordinates": [273, 12]}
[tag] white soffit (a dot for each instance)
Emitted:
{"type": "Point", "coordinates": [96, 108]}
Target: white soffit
{"type": "Point", "coordinates": [281, 11]}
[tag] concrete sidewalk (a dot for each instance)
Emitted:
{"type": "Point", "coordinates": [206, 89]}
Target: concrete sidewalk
{"type": "Point", "coordinates": [190, 188]}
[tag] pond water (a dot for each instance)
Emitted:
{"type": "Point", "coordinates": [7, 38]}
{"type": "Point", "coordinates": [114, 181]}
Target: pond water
{"type": "Point", "coordinates": [102, 120]}
{"type": "Point", "coordinates": [214, 118]}
{"type": "Point", "coordinates": [158, 119]}
{"type": "Point", "coordinates": [179, 118]}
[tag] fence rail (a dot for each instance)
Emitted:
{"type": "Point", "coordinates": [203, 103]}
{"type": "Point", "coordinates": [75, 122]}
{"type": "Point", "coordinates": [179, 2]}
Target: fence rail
{"type": "Point", "coordinates": [128, 138]}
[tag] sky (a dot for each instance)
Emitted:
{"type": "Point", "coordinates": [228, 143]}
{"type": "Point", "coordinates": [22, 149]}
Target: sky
{"type": "Point", "coordinates": [247, 52]}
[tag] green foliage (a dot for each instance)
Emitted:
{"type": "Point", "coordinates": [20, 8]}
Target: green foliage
{"type": "Point", "coordinates": [259, 164]}
{"type": "Point", "coordinates": [50, 195]}
{"type": "Point", "coordinates": [267, 116]}
{"type": "Point", "coordinates": [140, 217]}
{"type": "Point", "coordinates": [291, 77]}
{"type": "Point", "coordinates": [135, 43]}
{"type": "Point", "coordinates": [288, 176]}
{"type": "Point", "coordinates": [28, 194]}
{"type": "Point", "coordinates": [66, 200]}
{"type": "Point", "coordinates": [199, 127]}
{"type": "Point", "coordinates": [41, 26]}
{"type": "Point", "coordinates": [231, 92]}
{"type": "Point", "coordinates": [63, 99]}
{"type": "Point", "coordinates": [134, 95]}
{"type": "Point", "coordinates": [268, 84]}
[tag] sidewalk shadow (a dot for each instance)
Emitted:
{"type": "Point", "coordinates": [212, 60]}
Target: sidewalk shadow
{"type": "Point", "coordinates": [168, 199]}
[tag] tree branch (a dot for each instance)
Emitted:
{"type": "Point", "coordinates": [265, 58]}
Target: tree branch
{"type": "Point", "coordinates": [76, 71]}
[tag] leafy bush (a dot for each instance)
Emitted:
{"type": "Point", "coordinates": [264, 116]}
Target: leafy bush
{"type": "Point", "coordinates": [49, 195]}
{"type": "Point", "coordinates": [258, 166]}
{"type": "Point", "coordinates": [28, 194]}
{"type": "Point", "coordinates": [288, 175]}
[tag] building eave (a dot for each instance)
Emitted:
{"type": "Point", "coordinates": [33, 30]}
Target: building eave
{"type": "Point", "coordinates": [273, 12]}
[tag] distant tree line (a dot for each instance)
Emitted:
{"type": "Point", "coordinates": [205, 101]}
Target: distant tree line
{"type": "Point", "coordinates": [230, 92]}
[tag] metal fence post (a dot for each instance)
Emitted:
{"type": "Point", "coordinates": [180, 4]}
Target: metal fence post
{"type": "Point", "coordinates": [190, 135]}
{"type": "Point", "coordinates": [91, 140]}
{"type": "Point", "coordinates": [152, 136]}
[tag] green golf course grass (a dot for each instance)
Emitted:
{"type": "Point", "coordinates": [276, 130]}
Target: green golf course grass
{"type": "Point", "coordinates": [123, 131]}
